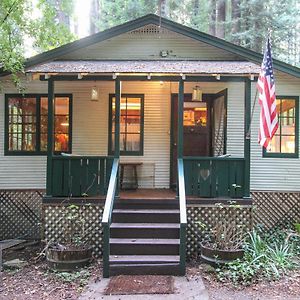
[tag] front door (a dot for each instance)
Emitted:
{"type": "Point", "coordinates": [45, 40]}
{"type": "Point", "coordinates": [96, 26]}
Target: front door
{"type": "Point", "coordinates": [196, 130]}
{"type": "Point", "coordinates": [204, 128]}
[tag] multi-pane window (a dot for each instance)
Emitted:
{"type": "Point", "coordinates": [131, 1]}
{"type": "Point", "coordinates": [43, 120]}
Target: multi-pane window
{"type": "Point", "coordinates": [27, 124]}
{"type": "Point", "coordinates": [131, 124]}
{"type": "Point", "coordinates": [285, 140]}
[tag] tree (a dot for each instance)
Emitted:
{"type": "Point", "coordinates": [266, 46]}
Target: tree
{"type": "Point", "coordinates": [18, 27]}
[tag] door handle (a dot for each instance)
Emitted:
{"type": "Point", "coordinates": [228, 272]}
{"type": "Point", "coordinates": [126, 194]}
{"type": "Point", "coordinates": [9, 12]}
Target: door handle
{"type": "Point", "coordinates": [175, 144]}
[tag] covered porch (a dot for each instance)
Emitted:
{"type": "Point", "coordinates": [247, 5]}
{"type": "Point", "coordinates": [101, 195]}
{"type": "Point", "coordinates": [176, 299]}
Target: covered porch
{"type": "Point", "coordinates": [197, 132]}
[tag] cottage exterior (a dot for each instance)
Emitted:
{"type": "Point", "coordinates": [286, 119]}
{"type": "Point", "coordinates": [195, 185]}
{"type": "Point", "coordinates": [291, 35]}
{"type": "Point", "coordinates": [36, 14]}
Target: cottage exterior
{"type": "Point", "coordinates": [136, 84]}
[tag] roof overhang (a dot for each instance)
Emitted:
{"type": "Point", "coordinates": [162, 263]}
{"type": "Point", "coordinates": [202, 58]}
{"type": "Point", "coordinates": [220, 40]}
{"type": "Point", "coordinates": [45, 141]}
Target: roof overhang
{"type": "Point", "coordinates": [147, 68]}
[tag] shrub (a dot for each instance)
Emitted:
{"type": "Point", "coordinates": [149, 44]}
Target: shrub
{"type": "Point", "coordinates": [266, 257]}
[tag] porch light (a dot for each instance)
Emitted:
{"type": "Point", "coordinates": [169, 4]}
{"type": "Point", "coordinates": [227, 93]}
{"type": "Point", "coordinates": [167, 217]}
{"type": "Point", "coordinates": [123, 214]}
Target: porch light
{"type": "Point", "coordinates": [197, 93]}
{"type": "Point", "coordinates": [94, 93]}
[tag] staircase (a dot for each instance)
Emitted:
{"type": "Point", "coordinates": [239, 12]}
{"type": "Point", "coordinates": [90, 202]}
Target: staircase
{"type": "Point", "coordinates": [145, 237]}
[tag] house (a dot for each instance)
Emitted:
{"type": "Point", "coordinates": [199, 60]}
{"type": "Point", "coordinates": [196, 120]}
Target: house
{"type": "Point", "coordinates": [170, 108]}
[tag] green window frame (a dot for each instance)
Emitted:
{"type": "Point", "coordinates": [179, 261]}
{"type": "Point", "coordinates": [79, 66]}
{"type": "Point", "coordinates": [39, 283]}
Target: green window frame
{"type": "Point", "coordinates": [124, 132]}
{"type": "Point", "coordinates": [35, 126]}
{"type": "Point", "coordinates": [292, 114]}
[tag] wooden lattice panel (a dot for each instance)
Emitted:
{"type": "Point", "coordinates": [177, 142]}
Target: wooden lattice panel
{"type": "Point", "coordinates": [276, 209]}
{"type": "Point", "coordinates": [201, 219]}
{"type": "Point", "coordinates": [20, 214]}
{"type": "Point", "coordinates": [55, 223]}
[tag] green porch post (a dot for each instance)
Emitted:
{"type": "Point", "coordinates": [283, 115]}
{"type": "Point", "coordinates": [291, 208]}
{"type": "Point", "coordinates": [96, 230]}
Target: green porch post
{"type": "Point", "coordinates": [180, 119]}
{"type": "Point", "coordinates": [117, 117]}
{"type": "Point", "coordinates": [50, 136]}
{"type": "Point", "coordinates": [247, 141]}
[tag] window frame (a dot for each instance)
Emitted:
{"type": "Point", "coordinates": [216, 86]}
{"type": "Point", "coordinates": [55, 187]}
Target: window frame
{"type": "Point", "coordinates": [37, 152]}
{"type": "Point", "coordinates": [296, 153]}
{"type": "Point", "coordinates": [126, 153]}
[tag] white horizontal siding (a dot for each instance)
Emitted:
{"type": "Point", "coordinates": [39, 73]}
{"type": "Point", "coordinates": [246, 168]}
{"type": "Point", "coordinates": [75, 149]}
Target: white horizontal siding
{"type": "Point", "coordinates": [148, 47]}
{"type": "Point", "coordinates": [274, 174]}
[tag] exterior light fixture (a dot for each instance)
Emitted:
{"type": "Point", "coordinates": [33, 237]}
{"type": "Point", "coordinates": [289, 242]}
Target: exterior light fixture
{"type": "Point", "coordinates": [197, 93]}
{"type": "Point", "coordinates": [218, 77]}
{"type": "Point", "coordinates": [79, 76]}
{"type": "Point", "coordinates": [251, 77]}
{"type": "Point", "coordinates": [183, 76]}
{"type": "Point", "coordinates": [47, 76]}
{"type": "Point", "coordinates": [95, 93]}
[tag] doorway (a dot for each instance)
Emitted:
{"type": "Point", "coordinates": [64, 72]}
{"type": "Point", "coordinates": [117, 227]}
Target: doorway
{"type": "Point", "coordinates": [204, 128]}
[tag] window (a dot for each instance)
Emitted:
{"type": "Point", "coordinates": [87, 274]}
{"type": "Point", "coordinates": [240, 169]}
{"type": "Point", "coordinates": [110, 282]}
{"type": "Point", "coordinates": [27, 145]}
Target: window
{"type": "Point", "coordinates": [27, 124]}
{"type": "Point", "coordinates": [131, 124]}
{"type": "Point", "coordinates": [285, 141]}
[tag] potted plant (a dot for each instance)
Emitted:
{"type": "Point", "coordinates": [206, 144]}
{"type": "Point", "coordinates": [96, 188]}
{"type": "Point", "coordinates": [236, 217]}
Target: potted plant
{"type": "Point", "coordinates": [224, 242]}
{"type": "Point", "coordinates": [72, 251]}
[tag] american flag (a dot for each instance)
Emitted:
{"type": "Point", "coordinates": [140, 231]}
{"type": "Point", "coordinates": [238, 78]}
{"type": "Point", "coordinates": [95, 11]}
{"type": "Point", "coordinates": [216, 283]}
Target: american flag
{"type": "Point", "coordinates": [267, 99]}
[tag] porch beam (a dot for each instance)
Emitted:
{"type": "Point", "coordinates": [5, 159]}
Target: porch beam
{"type": "Point", "coordinates": [189, 78]}
{"type": "Point", "coordinates": [247, 135]}
{"type": "Point", "coordinates": [117, 117]}
{"type": "Point", "coordinates": [50, 135]}
{"type": "Point", "coordinates": [180, 119]}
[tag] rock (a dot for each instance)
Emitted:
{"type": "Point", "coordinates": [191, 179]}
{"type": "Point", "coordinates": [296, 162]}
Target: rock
{"type": "Point", "coordinates": [207, 268]}
{"type": "Point", "coordinates": [15, 264]}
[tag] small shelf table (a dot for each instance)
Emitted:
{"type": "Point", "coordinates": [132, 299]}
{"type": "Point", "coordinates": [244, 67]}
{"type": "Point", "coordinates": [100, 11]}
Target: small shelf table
{"type": "Point", "coordinates": [132, 185]}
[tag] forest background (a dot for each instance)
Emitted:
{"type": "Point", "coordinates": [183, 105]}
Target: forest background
{"type": "Point", "coordinates": [45, 24]}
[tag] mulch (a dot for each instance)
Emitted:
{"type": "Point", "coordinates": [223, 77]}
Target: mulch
{"type": "Point", "coordinates": [140, 284]}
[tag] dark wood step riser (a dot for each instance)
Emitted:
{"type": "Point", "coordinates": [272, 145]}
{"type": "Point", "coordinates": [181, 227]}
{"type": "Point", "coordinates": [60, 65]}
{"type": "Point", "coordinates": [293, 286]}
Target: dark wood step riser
{"type": "Point", "coordinates": [164, 269]}
{"type": "Point", "coordinates": [145, 206]}
{"type": "Point", "coordinates": [142, 249]}
{"type": "Point", "coordinates": [145, 218]}
{"type": "Point", "coordinates": [159, 233]}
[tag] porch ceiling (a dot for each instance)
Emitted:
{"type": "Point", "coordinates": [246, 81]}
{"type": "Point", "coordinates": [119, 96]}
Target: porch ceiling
{"type": "Point", "coordinates": [169, 67]}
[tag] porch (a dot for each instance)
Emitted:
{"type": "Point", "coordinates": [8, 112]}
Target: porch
{"type": "Point", "coordinates": [210, 176]}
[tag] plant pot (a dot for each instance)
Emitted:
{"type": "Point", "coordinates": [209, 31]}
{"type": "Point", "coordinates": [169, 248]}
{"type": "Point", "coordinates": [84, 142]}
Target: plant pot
{"type": "Point", "coordinates": [219, 257]}
{"type": "Point", "coordinates": [68, 259]}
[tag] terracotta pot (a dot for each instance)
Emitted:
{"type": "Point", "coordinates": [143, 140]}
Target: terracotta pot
{"type": "Point", "coordinates": [68, 259]}
{"type": "Point", "coordinates": [218, 257]}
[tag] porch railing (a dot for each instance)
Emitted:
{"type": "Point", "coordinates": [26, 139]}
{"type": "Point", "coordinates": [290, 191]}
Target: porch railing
{"type": "Point", "coordinates": [79, 176]}
{"type": "Point", "coordinates": [214, 176]}
{"type": "Point", "coordinates": [107, 214]}
{"type": "Point", "coordinates": [183, 217]}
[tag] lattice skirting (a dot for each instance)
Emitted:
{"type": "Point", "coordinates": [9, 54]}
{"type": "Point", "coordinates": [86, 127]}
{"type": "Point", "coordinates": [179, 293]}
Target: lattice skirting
{"type": "Point", "coordinates": [56, 222]}
{"type": "Point", "coordinates": [20, 214]}
{"type": "Point", "coordinates": [201, 219]}
{"type": "Point", "coordinates": [276, 209]}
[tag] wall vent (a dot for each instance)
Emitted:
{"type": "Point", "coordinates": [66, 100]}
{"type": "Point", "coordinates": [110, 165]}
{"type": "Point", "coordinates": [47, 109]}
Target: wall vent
{"type": "Point", "coordinates": [151, 30]}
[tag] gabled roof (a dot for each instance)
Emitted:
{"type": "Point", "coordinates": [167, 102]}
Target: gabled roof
{"type": "Point", "coordinates": [165, 23]}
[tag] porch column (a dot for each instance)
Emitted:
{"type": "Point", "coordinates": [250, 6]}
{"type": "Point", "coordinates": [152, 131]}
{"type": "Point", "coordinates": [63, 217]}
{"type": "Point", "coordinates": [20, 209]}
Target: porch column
{"type": "Point", "coordinates": [50, 135]}
{"type": "Point", "coordinates": [180, 119]}
{"type": "Point", "coordinates": [247, 141]}
{"type": "Point", "coordinates": [117, 117]}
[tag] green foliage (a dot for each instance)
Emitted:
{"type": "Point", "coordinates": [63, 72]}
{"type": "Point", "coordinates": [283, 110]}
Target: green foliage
{"type": "Point", "coordinates": [18, 25]}
{"type": "Point", "coordinates": [81, 276]}
{"type": "Point", "coordinates": [266, 257]}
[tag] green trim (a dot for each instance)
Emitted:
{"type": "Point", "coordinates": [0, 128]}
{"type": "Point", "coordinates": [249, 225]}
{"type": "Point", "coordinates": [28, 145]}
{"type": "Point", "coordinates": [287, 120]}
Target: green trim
{"type": "Point", "coordinates": [180, 119]}
{"type": "Point", "coordinates": [296, 153]}
{"type": "Point", "coordinates": [247, 141]}
{"type": "Point", "coordinates": [189, 78]}
{"type": "Point", "coordinates": [127, 153]}
{"type": "Point", "coordinates": [165, 23]}
{"type": "Point", "coordinates": [38, 117]}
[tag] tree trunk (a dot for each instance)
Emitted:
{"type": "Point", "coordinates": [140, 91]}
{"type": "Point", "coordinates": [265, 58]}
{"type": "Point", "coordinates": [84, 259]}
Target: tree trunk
{"type": "Point", "coordinates": [94, 16]}
{"type": "Point", "coordinates": [221, 15]}
{"type": "Point", "coordinates": [235, 20]}
{"type": "Point", "coordinates": [212, 18]}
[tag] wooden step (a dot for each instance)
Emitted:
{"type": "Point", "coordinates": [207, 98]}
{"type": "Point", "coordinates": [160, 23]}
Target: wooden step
{"type": "Point", "coordinates": [127, 246]}
{"type": "Point", "coordinates": [143, 259]}
{"type": "Point", "coordinates": [146, 204]}
{"type": "Point", "coordinates": [145, 215]}
{"type": "Point", "coordinates": [145, 269]}
{"type": "Point", "coordinates": [145, 230]}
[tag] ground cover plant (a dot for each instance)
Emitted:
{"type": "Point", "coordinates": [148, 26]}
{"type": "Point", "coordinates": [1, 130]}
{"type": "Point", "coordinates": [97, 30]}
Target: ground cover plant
{"type": "Point", "coordinates": [268, 256]}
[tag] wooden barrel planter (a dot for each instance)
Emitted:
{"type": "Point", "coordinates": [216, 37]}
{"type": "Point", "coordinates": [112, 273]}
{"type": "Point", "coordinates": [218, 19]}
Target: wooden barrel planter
{"type": "Point", "coordinates": [68, 259]}
{"type": "Point", "coordinates": [216, 257]}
